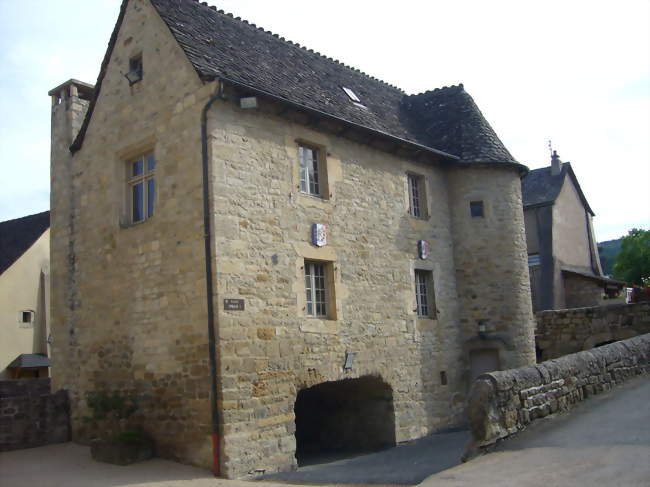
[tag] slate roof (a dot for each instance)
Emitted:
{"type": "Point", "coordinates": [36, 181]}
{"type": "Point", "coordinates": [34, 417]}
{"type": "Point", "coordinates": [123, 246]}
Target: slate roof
{"type": "Point", "coordinates": [29, 361]}
{"type": "Point", "coordinates": [17, 236]}
{"type": "Point", "coordinates": [445, 121]}
{"type": "Point", "coordinates": [539, 187]}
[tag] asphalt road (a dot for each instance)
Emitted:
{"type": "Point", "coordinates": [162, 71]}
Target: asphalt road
{"type": "Point", "coordinates": [406, 464]}
{"type": "Point", "coordinates": [603, 442]}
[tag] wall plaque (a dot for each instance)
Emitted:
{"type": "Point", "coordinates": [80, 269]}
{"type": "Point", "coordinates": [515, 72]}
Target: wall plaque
{"type": "Point", "coordinates": [319, 234]}
{"type": "Point", "coordinates": [233, 304]}
{"type": "Point", "coordinates": [423, 249]}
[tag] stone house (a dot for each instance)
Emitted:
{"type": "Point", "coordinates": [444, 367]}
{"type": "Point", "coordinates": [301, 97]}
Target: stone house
{"type": "Point", "coordinates": [563, 259]}
{"type": "Point", "coordinates": [24, 296]}
{"type": "Point", "coordinates": [278, 253]}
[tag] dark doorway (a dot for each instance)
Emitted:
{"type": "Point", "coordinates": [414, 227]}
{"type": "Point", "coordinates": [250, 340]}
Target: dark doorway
{"type": "Point", "coordinates": [340, 418]}
{"type": "Point", "coordinates": [482, 361]}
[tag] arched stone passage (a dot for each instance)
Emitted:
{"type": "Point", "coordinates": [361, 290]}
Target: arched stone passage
{"type": "Point", "coordinates": [350, 415]}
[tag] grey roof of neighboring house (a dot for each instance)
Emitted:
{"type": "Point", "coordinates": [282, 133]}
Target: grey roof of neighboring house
{"type": "Point", "coordinates": [29, 361]}
{"type": "Point", "coordinates": [539, 187]}
{"type": "Point", "coordinates": [17, 236]}
{"type": "Point", "coordinates": [446, 120]}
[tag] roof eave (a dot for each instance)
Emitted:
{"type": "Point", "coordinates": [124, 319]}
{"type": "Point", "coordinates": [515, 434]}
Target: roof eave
{"type": "Point", "coordinates": [325, 115]}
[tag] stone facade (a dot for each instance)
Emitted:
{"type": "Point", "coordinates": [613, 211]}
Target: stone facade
{"type": "Point", "coordinates": [129, 301]}
{"type": "Point", "coordinates": [503, 403]}
{"type": "Point", "coordinates": [562, 332]}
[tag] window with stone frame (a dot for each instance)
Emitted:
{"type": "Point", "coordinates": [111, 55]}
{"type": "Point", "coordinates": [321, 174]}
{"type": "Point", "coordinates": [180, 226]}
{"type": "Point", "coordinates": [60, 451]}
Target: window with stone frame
{"type": "Point", "coordinates": [417, 196]}
{"type": "Point", "coordinates": [312, 171]}
{"type": "Point", "coordinates": [476, 209]}
{"type": "Point", "coordinates": [424, 294]}
{"type": "Point", "coordinates": [141, 188]}
{"type": "Point", "coordinates": [317, 294]}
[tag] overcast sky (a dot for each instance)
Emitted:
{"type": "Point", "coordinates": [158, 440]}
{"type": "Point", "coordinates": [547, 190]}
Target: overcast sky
{"type": "Point", "coordinates": [573, 72]}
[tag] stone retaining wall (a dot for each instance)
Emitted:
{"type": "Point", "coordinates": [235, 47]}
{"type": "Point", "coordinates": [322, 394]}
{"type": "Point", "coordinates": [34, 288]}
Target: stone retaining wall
{"type": "Point", "coordinates": [561, 332]}
{"type": "Point", "coordinates": [504, 402]}
{"type": "Point", "coordinates": [31, 416]}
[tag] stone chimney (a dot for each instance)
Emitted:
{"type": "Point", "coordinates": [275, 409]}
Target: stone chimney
{"type": "Point", "coordinates": [556, 164]}
{"type": "Point", "coordinates": [70, 102]}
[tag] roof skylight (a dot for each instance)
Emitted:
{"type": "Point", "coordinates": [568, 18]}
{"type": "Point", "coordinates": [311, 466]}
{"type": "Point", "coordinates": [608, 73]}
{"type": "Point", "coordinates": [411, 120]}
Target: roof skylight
{"type": "Point", "coordinates": [351, 94]}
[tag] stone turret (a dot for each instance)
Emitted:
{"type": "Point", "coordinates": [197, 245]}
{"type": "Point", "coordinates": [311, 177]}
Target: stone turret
{"type": "Point", "coordinates": [70, 102]}
{"type": "Point", "coordinates": [497, 324]}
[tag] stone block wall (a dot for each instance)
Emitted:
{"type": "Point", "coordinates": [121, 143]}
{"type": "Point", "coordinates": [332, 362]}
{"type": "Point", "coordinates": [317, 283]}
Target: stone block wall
{"type": "Point", "coordinates": [561, 332]}
{"type": "Point", "coordinates": [31, 416]}
{"type": "Point", "coordinates": [129, 309]}
{"type": "Point", "coordinates": [503, 403]}
{"type": "Point", "coordinates": [272, 350]}
{"type": "Point", "coordinates": [580, 292]}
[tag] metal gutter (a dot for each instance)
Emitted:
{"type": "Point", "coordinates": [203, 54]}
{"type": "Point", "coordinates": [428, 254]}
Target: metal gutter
{"type": "Point", "coordinates": [212, 351]}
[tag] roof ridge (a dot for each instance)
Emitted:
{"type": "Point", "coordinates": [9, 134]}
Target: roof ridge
{"type": "Point", "coordinates": [429, 92]}
{"type": "Point", "coordinates": [295, 44]}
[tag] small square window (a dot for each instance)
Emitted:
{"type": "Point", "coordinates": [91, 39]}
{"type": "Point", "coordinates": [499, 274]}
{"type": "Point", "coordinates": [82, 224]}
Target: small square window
{"type": "Point", "coordinates": [27, 317]}
{"type": "Point", "coordinates": [476, 209]}
{"type": "Point", "coordinates": [141, 188]}
{"type": "Point", "coordinates": [311, 171]}
{"type": "Point", "coordinates": [317, 292]}
{"type": "Point", "coordinates": [424, 295]}
{"type": "Point", "coordinates": [417, 196]}
{"type": "Point", "coordinates": [136, 72]}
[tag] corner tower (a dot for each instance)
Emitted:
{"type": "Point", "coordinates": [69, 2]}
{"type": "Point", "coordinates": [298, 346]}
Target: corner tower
{"type": "Point", "coordinates": [487, 220]}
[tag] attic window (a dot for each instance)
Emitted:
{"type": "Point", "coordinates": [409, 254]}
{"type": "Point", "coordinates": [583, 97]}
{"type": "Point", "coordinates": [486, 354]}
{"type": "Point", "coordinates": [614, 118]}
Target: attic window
{"type": "Point", "coordinates": [135, 69]}
{"type": "Point", "coordinates": [352, 95]}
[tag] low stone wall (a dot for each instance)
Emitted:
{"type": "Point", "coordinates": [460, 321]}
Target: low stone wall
{"type": "Point", "coordinates": [561, 332]}
{"type": "Point", "coordinates": [504, 402]}
{"type": "Point", "coordinates": [31, 416]}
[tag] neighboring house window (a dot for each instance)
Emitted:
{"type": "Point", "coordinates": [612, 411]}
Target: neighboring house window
{"type": "Point", "coordinates": [310, 170]}
{"type": "Point", "coordinates": [425, 299]}
{"type": "Point", "coordinates": [533, 260]}
{"type": "Point", "coordinates": [27, 316]}
{"type": "Point", "coordinates": [476, 209]}
{"type": "Point", "coordinates": [142, 188]}
{"type": "Point", "coordinates": [417, 196]}
{"type": "Point", "coordinates": [316, 288]}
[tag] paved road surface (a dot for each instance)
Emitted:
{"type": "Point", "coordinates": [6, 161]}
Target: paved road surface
{"type": "Point", "coordinates": [605, 441]}
{"type": "Point", "coordinates": [407, 464]}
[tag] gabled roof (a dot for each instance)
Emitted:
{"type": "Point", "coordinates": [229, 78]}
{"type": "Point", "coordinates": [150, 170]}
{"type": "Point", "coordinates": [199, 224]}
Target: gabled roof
{"type": "Point", "coordinates": [17, 236]}
{"type": "Point", "coordinates": [539, 187]}
{"type": "Point", "coordinates": [445, 121]}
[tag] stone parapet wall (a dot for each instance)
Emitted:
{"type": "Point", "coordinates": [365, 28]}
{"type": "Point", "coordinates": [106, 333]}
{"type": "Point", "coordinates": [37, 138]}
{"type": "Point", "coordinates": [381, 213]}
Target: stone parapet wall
{"type": "Point", "coordinates": [505, 402]}
{"type": "Point", "coordinates": [561, 332]}
{"type": "Point", "coordinates": [24, 387]}
{"type": "Point", "coordinates": [30, 416]}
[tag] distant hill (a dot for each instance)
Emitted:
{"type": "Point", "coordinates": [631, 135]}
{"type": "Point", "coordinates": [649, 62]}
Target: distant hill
{"type": "Point", "coordinates": [608, 251]}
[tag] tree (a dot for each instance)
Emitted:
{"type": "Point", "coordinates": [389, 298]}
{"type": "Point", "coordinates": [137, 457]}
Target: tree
{"type": "Point", "coordinates": [633, 262]}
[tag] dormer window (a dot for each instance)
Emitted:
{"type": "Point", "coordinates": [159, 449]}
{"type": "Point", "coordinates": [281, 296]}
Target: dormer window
{"type": "Point", "coordinates": [352, 96]}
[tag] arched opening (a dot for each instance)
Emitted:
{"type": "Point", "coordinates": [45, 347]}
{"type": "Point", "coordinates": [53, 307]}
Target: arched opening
{"type": "Point", "coordinates": [340, 418]}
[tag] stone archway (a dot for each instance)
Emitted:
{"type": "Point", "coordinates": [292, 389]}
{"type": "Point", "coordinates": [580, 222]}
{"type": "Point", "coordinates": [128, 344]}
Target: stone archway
{"type": "Point", "coordinates": [343, 417]}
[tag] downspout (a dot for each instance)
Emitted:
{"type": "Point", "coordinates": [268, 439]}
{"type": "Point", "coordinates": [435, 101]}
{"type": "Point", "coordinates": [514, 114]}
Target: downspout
{"type": "Point", "coordinates": [208, 281]}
